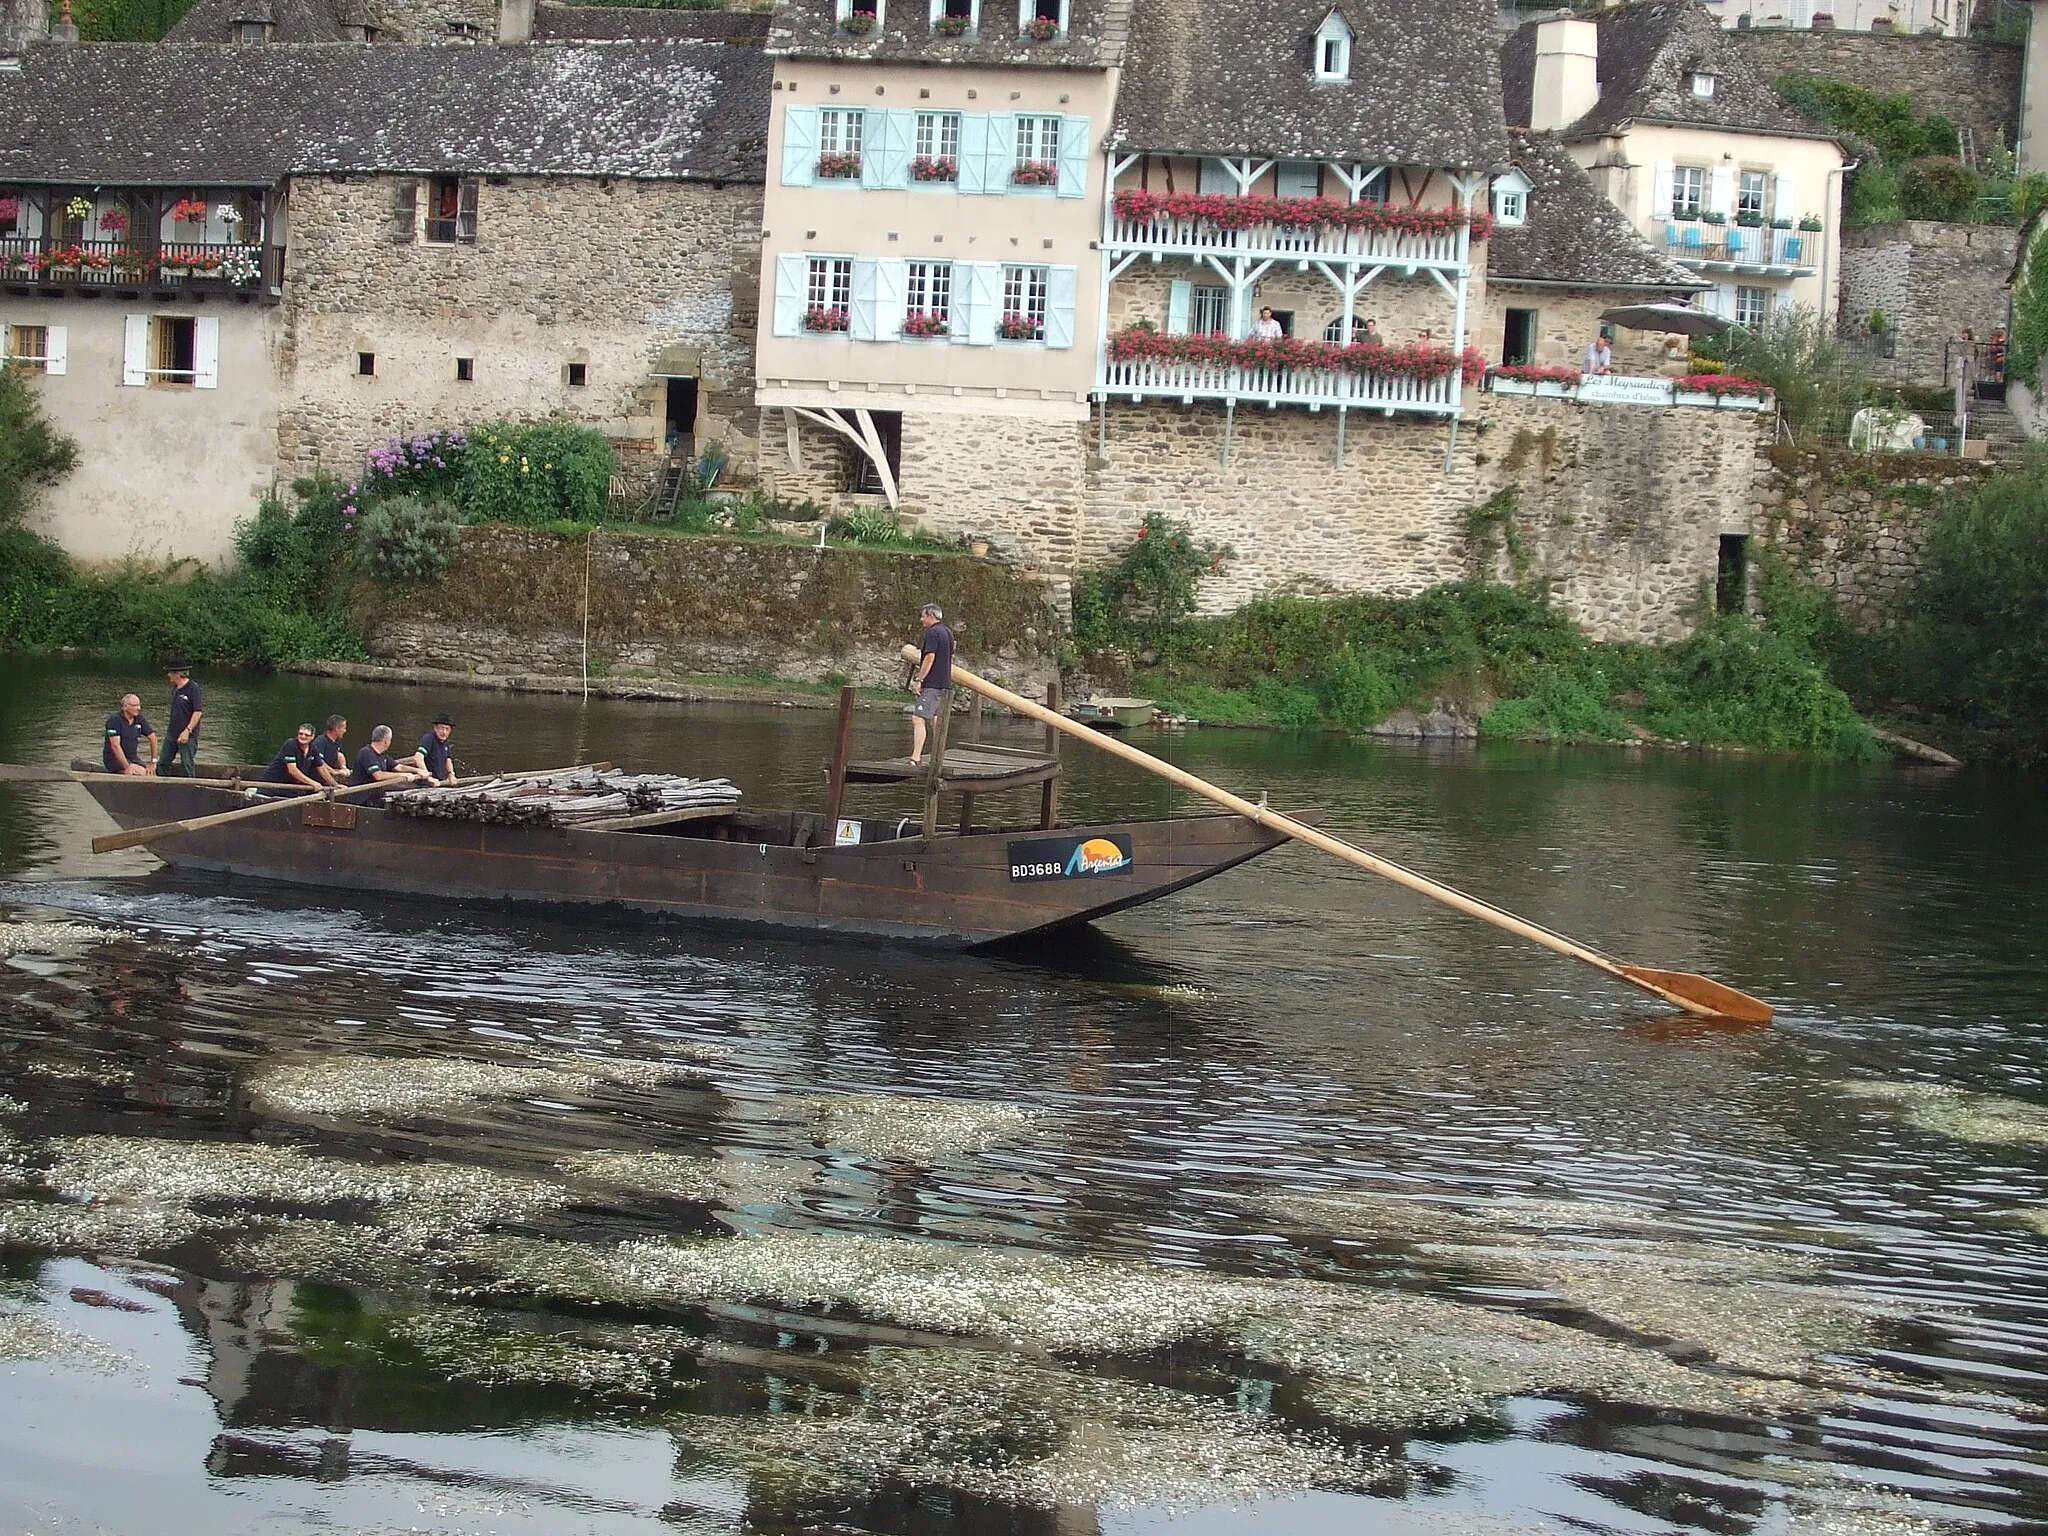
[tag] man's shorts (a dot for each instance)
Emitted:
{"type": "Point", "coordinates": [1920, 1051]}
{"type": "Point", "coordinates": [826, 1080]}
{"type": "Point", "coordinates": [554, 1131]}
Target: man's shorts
{"type": "Point", "coordinates": [929, 702]}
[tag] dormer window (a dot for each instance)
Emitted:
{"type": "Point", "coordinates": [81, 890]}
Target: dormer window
{"type": "Point", "coordinates": [1333, 48]}
{"type": "Point", "coordinates": [956, 18]}
{"type": "Point", "coordinates": [871, 10]}
{"type": "Point", "coordinates": [251, 34]}
{"type": "Point", "coordinates": [1042, 20]}
{"type": "Point", "coordinates": [1702, 85]}
{"type": "Point", "coordinates": [1511, 200]}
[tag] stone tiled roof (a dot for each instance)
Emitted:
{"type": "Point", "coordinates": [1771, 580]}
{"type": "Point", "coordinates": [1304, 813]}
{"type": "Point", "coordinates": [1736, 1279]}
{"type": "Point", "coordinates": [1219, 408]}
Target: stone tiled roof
{"type": "Point", "coordinates": [1648, 53]}
{"type": "Point", "coordinates": [624, 23]}
{"type": "Point", "coordinates": [1096, 34]}
{"type": "Point", "coordinates": [1572, 235]}
{"type": "Point", "coordinates": [1239, 79]}
{"type": "Point", "coordinates": [185, 114]}
{"type": "Point", "coordinates": [291, 21]}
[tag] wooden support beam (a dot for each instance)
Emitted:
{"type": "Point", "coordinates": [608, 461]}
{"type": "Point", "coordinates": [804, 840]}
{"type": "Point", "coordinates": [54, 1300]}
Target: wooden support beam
{"type": "Point", "coordinates": [1049, 795]}
{"type": "Point", "coordinates": [842, 752]}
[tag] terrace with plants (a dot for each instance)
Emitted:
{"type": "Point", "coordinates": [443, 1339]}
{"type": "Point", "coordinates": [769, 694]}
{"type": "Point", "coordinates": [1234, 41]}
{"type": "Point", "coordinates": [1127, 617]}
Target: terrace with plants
{"type": "Point", "coordinates": [112, 239]}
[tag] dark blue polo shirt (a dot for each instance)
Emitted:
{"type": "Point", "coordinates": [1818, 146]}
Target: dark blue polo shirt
{"type": "Point", "coordinates": [938, 644]}
{"type": "Point", "coordinates": [129, 733]}
{"type": "Point", "coordinates": [327, 750]}
{"type": "Point", "coordinates": [292, 755]}
{"type": "Point", "coordinates": [369, 763]}
{"type": "Point", "coordinates": [436, 753]}
{"type": "Point", "coordinates": [185, 703]}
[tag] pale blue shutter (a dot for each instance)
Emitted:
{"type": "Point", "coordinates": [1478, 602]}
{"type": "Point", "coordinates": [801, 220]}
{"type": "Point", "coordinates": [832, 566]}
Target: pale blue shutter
{"type": "Point", "coordinates": [974, 152]}
{"type": "Point", "coordinates": [1073, 157]}
{"type": "Point", "coordinates": [862, 313]}
{"type": "Point", "coordinates": [984, 287]}
{"type": "Point", "coordinates": [1062, 291]}
{"type": "Point", "coordinates": [1180, 303]}
{"type": "Point", "coordinates": [1298, 178]}
{"type": "Point", "coordinates": [889, 289]}
{"type": "Point", "coordinates": [799, 146]}
{"type": "Point", "coordinates": [1001, 155]}
{"type": "Point", "coordinates": [885, 152]}
{"type": "Point", "coordinates": [792, 273]}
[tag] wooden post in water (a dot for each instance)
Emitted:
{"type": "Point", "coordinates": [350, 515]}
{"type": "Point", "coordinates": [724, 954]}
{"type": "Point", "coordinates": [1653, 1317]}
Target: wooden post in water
{"type": "Point", "coordinates": [973, 740]}
{"type": "Point", "coordinates": [936, 746]}
{"type": "Point", "coordinates": [1049, 793]}
{"type": "Point", "coordinates": [842, 752]}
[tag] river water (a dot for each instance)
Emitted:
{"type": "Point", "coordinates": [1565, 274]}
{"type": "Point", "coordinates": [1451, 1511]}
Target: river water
{"type": "Point", "coordinates": [1290, 1204]}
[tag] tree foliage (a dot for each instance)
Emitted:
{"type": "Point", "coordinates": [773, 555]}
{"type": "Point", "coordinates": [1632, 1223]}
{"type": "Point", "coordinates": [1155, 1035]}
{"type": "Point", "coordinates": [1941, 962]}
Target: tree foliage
{"type": "Point", "coordinates": [33, 454]}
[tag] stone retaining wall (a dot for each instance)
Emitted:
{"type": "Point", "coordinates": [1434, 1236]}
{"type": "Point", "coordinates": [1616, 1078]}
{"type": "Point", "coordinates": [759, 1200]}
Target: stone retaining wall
{"type": "Point", "coordinates": [1858, 523]}
{"type": "Point", "coordinates": [1973, 84]}
{"type": "Point", "coordinates": [1933, 282]}
{"type": "Point", "coordinates": [669, 606]}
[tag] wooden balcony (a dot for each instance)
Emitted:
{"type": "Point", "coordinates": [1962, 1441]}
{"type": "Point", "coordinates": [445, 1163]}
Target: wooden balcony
{"type": "Point", "coordinates": [197, 270]}
{"type": "Point", "coordinates": [1164, 236]}
{"type": "Point", "coordinates": [1314, 388]}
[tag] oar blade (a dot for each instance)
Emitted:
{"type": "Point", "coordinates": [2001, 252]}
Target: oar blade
{"type": "Point", "coordinates": [1723, 1001]}
{"type": "Point", "coordinates": [14, 773]}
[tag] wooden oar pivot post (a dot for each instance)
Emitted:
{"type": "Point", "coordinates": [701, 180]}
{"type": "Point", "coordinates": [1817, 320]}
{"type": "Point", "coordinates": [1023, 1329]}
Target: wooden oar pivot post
{"type": "Point", "coordinates": [1682, 989]}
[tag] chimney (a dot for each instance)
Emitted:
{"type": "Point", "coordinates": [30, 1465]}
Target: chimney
{"type": "Point", "coordinates": [21, 22]}
{"type": "Point", "coordinates": [515, 21]}
{"type": "Point", "coordinates": [1567, 73]}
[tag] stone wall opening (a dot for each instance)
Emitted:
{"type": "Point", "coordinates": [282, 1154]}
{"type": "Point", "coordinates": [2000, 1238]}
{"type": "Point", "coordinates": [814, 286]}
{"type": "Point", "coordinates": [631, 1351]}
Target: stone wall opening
{"type": "Point", "coordinates": [1731, 574]}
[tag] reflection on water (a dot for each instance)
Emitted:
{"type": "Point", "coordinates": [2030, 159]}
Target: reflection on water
{"type": "Point", "coordinates": [1291, 1204]}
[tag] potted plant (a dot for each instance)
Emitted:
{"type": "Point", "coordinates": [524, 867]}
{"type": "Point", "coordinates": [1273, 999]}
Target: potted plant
{"type": "Point", "coordinates": [978, 548]}
{"type": "Point", "coordinates": [1811, 224]}
{"type": "Point", "coordinates": [1035, 173]}
{"type": "Point", "coordinates": [1749, 220]}
{"type": "Point", "coordinates": [1714, 216]}
{"type": "Point", "coordinates": [826, 318]}
{"type": "Point", "coordinates": [1533, 379]}
{"type": "Point", "coordinates": [1781, 223]}
{"type": "Point", "coordinates": [189, 210]}
{"type": "Point", "coordinates": [1823, 22]}
{"type": "Point", "coordinates": [836, 165]}
{"type": "Point", "coordinates": [114, 222]}
{"type": "Point", "coordinates": [1017, 326]}
{"type": "Point", "coordinates": [952, 26]}
{"type": "Point", "coordinates": [1041, 29]}
{"type": "Point", "coordinates": [922, 322]}
{"type": "Point", "coordinates": [934, 168]}
{"type": "Point", "coordinates": [1880, 23]}
{"type": "Point", "coordinates": [859, 23]}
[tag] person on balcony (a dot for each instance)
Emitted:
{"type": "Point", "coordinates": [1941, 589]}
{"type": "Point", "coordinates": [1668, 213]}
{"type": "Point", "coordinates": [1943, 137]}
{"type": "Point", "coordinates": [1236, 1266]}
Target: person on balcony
{"type": "Point", "coordinates": [1599, 355]}
{"type": "Point", "coordinates": [1371, 331]}
{"type": "Point", "coordinates": [1266, 328]}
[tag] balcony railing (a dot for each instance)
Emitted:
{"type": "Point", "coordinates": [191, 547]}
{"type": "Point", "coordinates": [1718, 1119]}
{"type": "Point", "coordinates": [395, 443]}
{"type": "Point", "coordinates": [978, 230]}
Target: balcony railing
{"type": "Point", "coordinates": [99, 265]}
{"type": "Point", "coordinates": [1314, 387]}
{"type": "Point", "coordinates": [1794, 252]}
{"type": "Point", "coordinates": [1200, 237]}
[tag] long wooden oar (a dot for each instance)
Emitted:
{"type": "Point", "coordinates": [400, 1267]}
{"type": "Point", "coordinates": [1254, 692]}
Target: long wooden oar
{"type": "Point", "coordinates": [1682, 989]}
{"type": "Point", "coordinates": [139, 836]}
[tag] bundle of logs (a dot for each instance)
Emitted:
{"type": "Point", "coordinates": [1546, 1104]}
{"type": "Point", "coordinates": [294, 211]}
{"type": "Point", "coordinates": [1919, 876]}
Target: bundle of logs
{"type": "Point", "coordinates": [572, 799]}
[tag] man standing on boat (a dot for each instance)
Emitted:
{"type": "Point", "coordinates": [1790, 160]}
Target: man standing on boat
{"type": "Point", "coordinates": [295, 762]}
{"type": "Point", "coordinates": [331, 762]}
{"type": "Point", "coordinates": [126, 732]}
{"type": "Point", "coordinates": [181, 758]}
{"type": "Point", "coordinates": [432, 755]}
{"type": "Point", "coordinates": [933, 680]}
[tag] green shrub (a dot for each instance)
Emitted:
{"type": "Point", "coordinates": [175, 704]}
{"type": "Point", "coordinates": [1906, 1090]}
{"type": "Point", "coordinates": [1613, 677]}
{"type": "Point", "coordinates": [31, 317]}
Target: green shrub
{"type": "Point", "coordinates": [1873, 195]}
{"type": "Point", "coordinates": [1357, 691]}
{"type": "Point", "coordinates": [404, 538]}
{"type": "Point", "coordinates": [535, 472]}
{"type": "Point", "coordinates": [1151, 588]}
{"type": "Point", "coordinates": [868, 525]}
{"type": "Point", "coordinates": [1561, 703]}
{"type": "Point", "coordinates": [33, 454]}
{"type": "Point", "coordinates": [1941, 189]}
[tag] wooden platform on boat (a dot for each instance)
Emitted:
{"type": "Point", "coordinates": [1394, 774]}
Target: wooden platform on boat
{"type": "Point", "coordinates": [975, 768]}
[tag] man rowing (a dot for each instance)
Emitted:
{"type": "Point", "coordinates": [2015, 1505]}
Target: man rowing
{"type": "Point", "coordinates": [331, 763]}
{"type": "Point", "coordinates": [432, 757]}
{"type": "Point", "coordinates": [376, 765]}
{"type": "Point", "coordinates": [296, 762]}
{"type": "Point", "coordinates": [126, 732]}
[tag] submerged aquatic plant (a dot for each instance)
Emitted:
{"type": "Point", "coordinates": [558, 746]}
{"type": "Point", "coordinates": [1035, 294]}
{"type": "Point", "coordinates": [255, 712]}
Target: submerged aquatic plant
{"type": "Point", "coordinates": [908, 1129]}
{"type": "Point", "coordinates": [1956, 1112]}
{"type": "Point", "coordinates": [29, 938]}
{"type": "Point", "coordinates": [393, 1087]}
{"type": "Point", "coordinates": [726, 1179]}
{"type": "Point", "coordinates": [476, 1345]}
{"type": "Point", "coordinates": [28, 1335]}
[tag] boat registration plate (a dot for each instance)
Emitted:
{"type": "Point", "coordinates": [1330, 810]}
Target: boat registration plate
{"type": "Point", "coordinates": [1069, 858]}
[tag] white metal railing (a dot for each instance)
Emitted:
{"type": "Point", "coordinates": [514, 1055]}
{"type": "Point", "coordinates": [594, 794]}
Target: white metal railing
{"type": "Point", "coordinates": [1284, 386]}
{"type": "Point", "coordinates": [1199, 237]}
{"type": "Point", "coordinates": [1749, 249]}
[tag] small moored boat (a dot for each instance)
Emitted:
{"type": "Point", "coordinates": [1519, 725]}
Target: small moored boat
{"type": "Point", "coordinates": [1109, 714]}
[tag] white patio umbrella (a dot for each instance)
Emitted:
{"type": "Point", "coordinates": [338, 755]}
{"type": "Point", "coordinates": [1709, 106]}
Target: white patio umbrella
{"type": "Point", "coordinates": [1681, 319]}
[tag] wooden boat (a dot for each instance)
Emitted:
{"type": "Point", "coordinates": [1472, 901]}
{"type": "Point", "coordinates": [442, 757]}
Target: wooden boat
{"type": "Point", "coordinates": [797, 869]}
{"type": "Point", "coordinates": [1113, 714]}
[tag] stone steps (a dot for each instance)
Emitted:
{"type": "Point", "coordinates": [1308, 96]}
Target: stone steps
{"type": "Point", "coordinates": [1992, 423]}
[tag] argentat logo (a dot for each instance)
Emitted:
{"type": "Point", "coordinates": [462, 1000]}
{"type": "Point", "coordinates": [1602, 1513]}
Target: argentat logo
{"type": "Point", "coordinates": [1097, 856]}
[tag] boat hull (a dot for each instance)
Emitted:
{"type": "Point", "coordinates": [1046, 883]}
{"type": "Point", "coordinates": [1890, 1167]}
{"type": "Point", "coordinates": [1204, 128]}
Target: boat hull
{"type": "Point", "coordinates": [947, 890]}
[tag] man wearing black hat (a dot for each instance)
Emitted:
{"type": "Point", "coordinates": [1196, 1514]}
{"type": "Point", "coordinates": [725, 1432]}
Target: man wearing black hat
{"type": "Point", "coordinates": [180, 758]}
{"type": "Point", "coordinates": [432, 754]}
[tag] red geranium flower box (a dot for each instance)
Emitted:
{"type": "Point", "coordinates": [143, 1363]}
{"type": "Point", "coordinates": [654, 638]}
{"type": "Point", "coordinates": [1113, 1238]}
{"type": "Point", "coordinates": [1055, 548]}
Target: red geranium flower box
{"type": "Point", "coordinates": [826, 319]}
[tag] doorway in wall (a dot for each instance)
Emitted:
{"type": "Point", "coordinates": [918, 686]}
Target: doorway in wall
{"type": "Point", "coordinates": [680, 431]}
{"type": "Point", "coordinates": [1731, 574]}
{"type": "Point", "coordinates": [1518, 344]}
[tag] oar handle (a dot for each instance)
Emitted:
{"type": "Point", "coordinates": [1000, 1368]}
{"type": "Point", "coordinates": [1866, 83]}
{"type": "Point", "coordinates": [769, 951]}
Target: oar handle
{"type": "Point", "coordinates": [1276, 821]}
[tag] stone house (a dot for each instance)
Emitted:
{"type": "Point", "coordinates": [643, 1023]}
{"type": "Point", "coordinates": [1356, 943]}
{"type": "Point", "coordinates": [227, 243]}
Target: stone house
{"type": "Point", "coordinates": [1931, 18]}
{"type": "Point", "coordinates": [1560, 255]}
{"type": "Point", "coordinates": [1683, 134]}
{"type": "Point", "coordinates": [230, 264]}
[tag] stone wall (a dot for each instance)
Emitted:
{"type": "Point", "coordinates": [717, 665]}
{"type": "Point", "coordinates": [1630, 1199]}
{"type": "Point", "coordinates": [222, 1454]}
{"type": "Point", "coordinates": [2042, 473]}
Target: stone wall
{"type": "Point", "coordinates": [1933, 282]}
{"type": "Point", "coordinates": [1972, 84]}
{"type": "Point", "coordinates": [667, 606]}
{"type": "Point", "coordinates": [1618, 509]}
{"type": "Point", "coordinates": [1858, 524]}
{"type": "Point", "coordinates": [605, 273]}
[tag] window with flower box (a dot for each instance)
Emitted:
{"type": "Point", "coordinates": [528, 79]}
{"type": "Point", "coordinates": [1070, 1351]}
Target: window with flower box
{"type": "Point", "coordinates": [936, 148]}
{"type": "Point", "coordinates": [1688, 191]}
{"type": "Point", "coordinates": [928, 298]}
{"type": "Point", "coordinates": [1024, 303]}
{"type": "Point", "coordinates": [956, 18]}
{"type": "Point", "coordinates": [1042, 20]}
{"type": "Point", "coordinates": [1038, 151]}
{"type": "Point", "coordinates": [841, 132]}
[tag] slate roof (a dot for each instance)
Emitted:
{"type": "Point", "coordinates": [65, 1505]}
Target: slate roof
{"type": "Point", "coordinates": [622, 23]}
{"type": "Point", "coordinates": [1095, 37]}
{"type": "Point", "coordinates": [1573, 236]}
{"type": "Point", "coordinates": [144, 114]}
{"type": "Point", "coordinates": [1238, 78]}
{"type": "Point", "coordinates": [292, 21]}
{"type": "Point", "coordinates": [1647, 53]}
